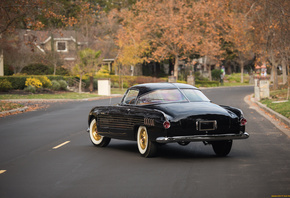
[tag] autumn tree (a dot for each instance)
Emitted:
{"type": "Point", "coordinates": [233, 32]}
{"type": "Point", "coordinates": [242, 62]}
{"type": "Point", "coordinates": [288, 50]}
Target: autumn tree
{"type": "Point", "coordinates": [271, 30]}
{"type": "Point", "coordinates": [105, 33]}
{"type": "Point", "coordinates": [211, 30]}
{"type": "Point", "coordinates": [177, 28]}
{"type": "Point", "coordinates": [164, 25]}
{"type": "Point", "coordinates": [108, 5]}
{"type": "Point", "coordinates": [240, 32]}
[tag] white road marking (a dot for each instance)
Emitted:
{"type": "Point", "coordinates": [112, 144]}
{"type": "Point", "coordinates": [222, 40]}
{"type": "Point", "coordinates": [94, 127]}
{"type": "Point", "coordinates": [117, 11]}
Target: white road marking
{"type": "Point", "coordinates": [56, 147]}
{"type": "Point", "coordinates": [2, 171]}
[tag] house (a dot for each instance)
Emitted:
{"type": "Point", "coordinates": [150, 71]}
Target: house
{"type": "Point", "coordinates": [64, 42]}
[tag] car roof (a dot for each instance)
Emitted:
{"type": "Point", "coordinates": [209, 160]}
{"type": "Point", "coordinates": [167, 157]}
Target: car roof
{"type": "Point", "coordinates": [147, 87]}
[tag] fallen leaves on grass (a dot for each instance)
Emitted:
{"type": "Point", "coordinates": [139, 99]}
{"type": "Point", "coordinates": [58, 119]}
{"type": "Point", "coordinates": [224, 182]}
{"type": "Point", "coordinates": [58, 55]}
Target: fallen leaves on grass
{"type": "Point", "coordinates": [12, 108]}
{"type": "Point", "coordinates": [6, 106]}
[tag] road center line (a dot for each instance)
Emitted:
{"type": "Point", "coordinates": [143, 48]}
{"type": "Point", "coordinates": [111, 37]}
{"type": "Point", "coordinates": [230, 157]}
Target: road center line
{"type": "Point", "coordinates": [2, 171]}
{"type": "Point", "coordinates": [60, 145]}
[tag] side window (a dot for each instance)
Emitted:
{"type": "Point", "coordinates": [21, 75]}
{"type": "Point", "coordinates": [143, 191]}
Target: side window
{"type": "Point", "coordinates": [131, 97]}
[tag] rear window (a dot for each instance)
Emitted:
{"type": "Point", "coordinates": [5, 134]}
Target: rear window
{"type": "Point", "coordinates": [161, 96]}
{"type": "Point", "coordinates": [194, 95]}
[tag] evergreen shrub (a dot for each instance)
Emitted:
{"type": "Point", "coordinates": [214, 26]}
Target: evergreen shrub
{"type": "Point", "coordinates": [30, 89]}
{"type": "Point", "coordinates": [37, 69]}
{"type": "Point", "coordinates": [5, 85]}
{"type": "Point", "coordinates": [62, 84]}
{"type": "Point", "coordinates": [55, 85]}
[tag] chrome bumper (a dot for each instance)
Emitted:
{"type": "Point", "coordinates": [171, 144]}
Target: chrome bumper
{"type": "Point", "coordinates": [197, 138]}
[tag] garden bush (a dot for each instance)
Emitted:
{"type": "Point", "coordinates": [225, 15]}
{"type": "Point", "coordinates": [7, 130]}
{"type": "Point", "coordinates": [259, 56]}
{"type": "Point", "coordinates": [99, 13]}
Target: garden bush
{"type": "Point", "coordinates": [46, 83]}
{"type": "Point", "coordinates": [33, 82]}
{"type": "Point", "coordinates": [62, 71]}
{"type": "Point", "coordinates": [37, 69]}
{"type": "Point", "coordinates": [96, 84]}
{"type": "Point", "coordinates": [115, 85]}
{"type": "Point", "coordinates": [62, 84]}
{"type": "Point", "coordinates": [55, 85]}
{"type": "Point", "coordinates": [17, 82]}
{"type": "Point", "coordinates": [5, 85]}
{"type": "Point", "coordinates": [30, 89]}
{"type": "Point", "coordinates": [216, 74]}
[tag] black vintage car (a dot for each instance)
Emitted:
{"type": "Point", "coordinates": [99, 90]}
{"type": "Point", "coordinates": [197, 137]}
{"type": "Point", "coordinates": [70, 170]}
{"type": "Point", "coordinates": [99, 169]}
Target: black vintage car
{"type": "Point", "coordinates": [159, 113]}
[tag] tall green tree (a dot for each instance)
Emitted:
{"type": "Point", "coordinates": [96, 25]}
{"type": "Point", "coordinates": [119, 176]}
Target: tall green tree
{"type": "Point", "coordinates": [88, 61]}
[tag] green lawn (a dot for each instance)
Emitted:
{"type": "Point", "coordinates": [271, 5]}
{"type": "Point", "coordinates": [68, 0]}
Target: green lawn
{"type": "Point", "coordinates": [67, 95]}
{"type": "Point", "coordinates": [282, 107]}
{"type": "Point", "coordinates": [60, 95]}
{"type": "Point", "coordinates": [278, 102]}
{"type": "Point", "coordinates": [233, 84]}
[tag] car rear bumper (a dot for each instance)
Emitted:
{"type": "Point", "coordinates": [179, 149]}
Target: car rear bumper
{"type": "Point", "coordinates": [197, 138]}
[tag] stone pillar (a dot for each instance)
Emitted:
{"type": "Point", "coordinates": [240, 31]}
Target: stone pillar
{"type": "Point", "coordinates": [257, 89]}
{"type": "Point", "coordinates": [262, 88]}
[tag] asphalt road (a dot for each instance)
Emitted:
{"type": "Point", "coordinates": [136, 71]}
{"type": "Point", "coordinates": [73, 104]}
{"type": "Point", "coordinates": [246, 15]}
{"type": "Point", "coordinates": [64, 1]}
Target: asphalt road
{"type": "Point", "coordinates": [47, 153]}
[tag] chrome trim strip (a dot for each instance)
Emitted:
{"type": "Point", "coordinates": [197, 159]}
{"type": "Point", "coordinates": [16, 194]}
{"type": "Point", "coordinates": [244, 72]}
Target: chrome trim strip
{"type": "Point", "coordinates": [197, 138]}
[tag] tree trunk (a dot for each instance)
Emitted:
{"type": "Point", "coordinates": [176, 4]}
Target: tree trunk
{"type": "Point", "coordinates": [242, 71]}
{"type": "Point", "coordinates": [284, 70]}
{"type": "Point", "coordinates": [208, 68]}
{"type": "Point", "coordinates": [176, 67]}
{"type": "Point", "coordinates": [274, 71]}
{"type": "Point", "coordinates": [275, 79]}
{"type": "Point", "coordinates": [91, 84]}
{"type": "Point", "coordinates": [54, 66]}
{"type": "Point", "coordinates": [80, 84]}
{"type": "Point", "coordinates": [209, 73]}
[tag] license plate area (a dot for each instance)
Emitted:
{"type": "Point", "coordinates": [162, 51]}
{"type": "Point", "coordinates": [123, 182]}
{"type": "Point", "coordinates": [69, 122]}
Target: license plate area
{"type": "Point", "coordinates": [206, 125]}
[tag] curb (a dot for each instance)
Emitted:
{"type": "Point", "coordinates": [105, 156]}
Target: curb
{"type": "Point", "coordinates": [23, 109]}
{"type": "Point", "coordinates": [63, 100]}
{"type": "Point", "coordinates": [278, 116]}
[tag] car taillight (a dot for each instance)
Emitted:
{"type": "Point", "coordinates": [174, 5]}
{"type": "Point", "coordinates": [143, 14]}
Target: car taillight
{"type": "Point", "coordinates": [243, 122]}
{"type": "Point", "coordinates": [166, 124]}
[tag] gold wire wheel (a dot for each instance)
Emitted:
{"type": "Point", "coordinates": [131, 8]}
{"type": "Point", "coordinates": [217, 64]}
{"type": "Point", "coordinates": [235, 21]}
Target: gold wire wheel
{"type": "Point", "coordinates": [143, 139]}
{"type": "Point", "coordinates": [95, 134]}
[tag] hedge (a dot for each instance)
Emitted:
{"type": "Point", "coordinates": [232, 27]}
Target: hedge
{"type": "Point", "coordinates": [18, 82]}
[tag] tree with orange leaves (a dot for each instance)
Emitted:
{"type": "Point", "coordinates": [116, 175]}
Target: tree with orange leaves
{"type": "Point", "coordinates": [164, 25]}
{"type": "Point", "coordinates": [240, 32]}
{"type": "Point", "coordinates": [271, 29]}
{"type": "Point", "coordinates": [177, 28]}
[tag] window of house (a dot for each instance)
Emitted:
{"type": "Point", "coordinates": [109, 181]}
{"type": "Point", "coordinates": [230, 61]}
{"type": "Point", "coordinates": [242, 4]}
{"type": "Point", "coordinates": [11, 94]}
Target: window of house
{"type": "Point", "coordinates": [61, 46]}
